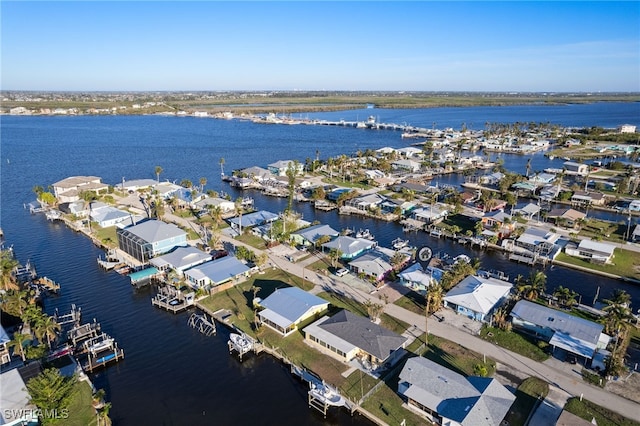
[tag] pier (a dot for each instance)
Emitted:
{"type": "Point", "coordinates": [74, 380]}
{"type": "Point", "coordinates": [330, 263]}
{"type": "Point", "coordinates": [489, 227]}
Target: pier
{"type": "Point", "coordinates": [101, 350]}
{"type": "Point", "coordinates": [173, 300]}
{"type": "Point", "coordinates": [83, 332]}
{"type": "Point", "coordinates": [201, 323]}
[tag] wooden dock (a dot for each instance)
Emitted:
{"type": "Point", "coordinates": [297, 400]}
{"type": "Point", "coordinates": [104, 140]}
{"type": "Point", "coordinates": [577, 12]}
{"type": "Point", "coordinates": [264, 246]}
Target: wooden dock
{"type": "Point", "coordinates": [173, 300]}
{"type": "Point", "coordinates": [83, 332]}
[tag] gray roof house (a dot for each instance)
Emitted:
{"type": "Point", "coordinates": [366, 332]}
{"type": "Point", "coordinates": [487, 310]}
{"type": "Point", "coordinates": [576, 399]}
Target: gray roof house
{"type": "Point", "coordinates": [347, 336]}
{"type": "Point", "coordinates": [476, 297]}
{"type": "Point", "coordinates": [577, 335]}
{"type": "Point", "coordinates": [216, 272]}
{"type": "Point", "coordinates": [180, 259]}
{"type": "Point", "coordinates": [349, 247]}
{"type": "Point", "coordinates": [107, 216]}
{"type": "Point", "coordinates": [635, 236]}
{"type": "Point", "coordinates": [253, 219]}
{"type": "Point", "coordinates": [375, 264]}
{"type": "Point", "coordinates": [287, 307]}
{"type": "Point", "coordinates": [448, 398]}
{"type": "Point", "coordinates": [309, 236]}
{"type": "Point", "coordinates": [17, 408]}
{"type": "Point", "coordinates": [150, 238]}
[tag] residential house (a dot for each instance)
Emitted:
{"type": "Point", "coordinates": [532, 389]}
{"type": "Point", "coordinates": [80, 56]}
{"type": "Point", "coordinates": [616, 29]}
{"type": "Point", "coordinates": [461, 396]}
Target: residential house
{"type": "Point", "coordinates": [528, 211]}
{"type": "Point", "coordinates": [492, 179]}
{"type": "Point", "coordinates": [216, 272]}
{"type": "Point", "coordinates": [391, 205]}
{"type": "Point", "coordinates": [256, 173]}
{"type": "Point", "coordinates": [431, 214]}
{"type": "Point", "coordinates": [69, 189]}
{"type": "Point", "coordinates": [593, 251]}
{"type": "Point", "coordinates": [566, 217]}
{"type": "Point", "coordinates": [409, 152]}
{"type": "Point", "coordinates": [226, 206]}
{"type": "Point", "coordinates": [635, 236]}
{"type": "Point", "coordinates": [407, 165]}
{"type": "Point", "coordinates": [477, 297]}
{"type": "Point", "coordinates": [17, 408]}
{"type": "Point", "coordinates": [149, 239]}
{"type": "Point", "coordinates": [166, 190]}
{"type": "Point", "coordinates": [582, 198]}
{"type": "Point", "coordinates": [537, 241]}
{"type": "Point", "coordinates": [375, 264]}
{"type": "Point", "coordinates": [106, 216]}
{"type": "Point", "coordinates": [287, 308]}
{"type": "Point", "coordinates": [334, 194]}
{"type": "Point", "coordinates": [367, 202]}
{"type": "Point", "coordinates": [349, 337]}
{"type": "Point", "coordinates": [250, 220]}
{"type": "Point", "coordinates": [627, 128]}
{"type": "Point", "coordinates": [180, 259]}
{"type": "Point", "coordinates": [575, 168]}
{"type": "Point", "coordinates": [310, 236]}
{"type": "Point", "coordinates": [349, 247]}
{"type": "Point", "coordinates": [4, 350]}
{"type": "Point", "coordinates": [419, 279]}
{"type": "Point", "coordinates": [448, 398]}
{"type": "Point", "coordinates": [542, 178]}
{"type": "Point", "coordinates": [77, 208]}
{"type": "Point", "coordinates": [279, 168]}
{"type": "Point", "coordinates": [131, 186]}
{"type": "Point", "coordinates": [560, 329]}
{"type": "Point", "coordinates": [499, 220]}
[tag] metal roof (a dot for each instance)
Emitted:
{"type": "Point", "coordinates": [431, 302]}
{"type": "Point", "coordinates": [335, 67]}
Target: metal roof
{"type": "Point", "coordinates": [219, 270]}
{"type": "Point", "coordinates": [285, 306]}
{"type": "Point", "coordinates": [181, 258]}
{"type": "Point", "coordinates": [252, 219]}
{"type": "Point", "coordinates": [349, 245]}
{"type": "Point", "coordinates": [313, 233]}
{"type": "Point", "coordinates": [478, 294]}
{"type": "Point", "coordinates": [152, 231]}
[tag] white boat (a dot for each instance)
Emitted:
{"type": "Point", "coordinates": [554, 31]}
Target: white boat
{"type": "Point", "coordinates": [240, 343]}
{"type": "Point", "coordinates": [399, 243]}
{"type": "Point", "coordinates": [364, 233]}
{"type": "Point", "coordinates": [326, 394]}
{"type": "Point", "coordinates": [462, 258]}
{"type": "Point", "coordinates": [100, 346]}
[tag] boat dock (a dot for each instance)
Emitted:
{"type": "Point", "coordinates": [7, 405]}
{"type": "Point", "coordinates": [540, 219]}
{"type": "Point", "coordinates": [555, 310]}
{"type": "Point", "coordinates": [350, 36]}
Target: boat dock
{"type": "Point", "coordinates": [83, 332]}
{"type": "Point", "coordinates": [173, 300]}
{"type": "Point", "coordinates": [203, 324]}
{"type": "Point", "coordinates": [101, 350]}
{"type": "Point", "coordinates": [241, 343]}
{"type": "Point", "coordinates": [73, 317]}
{"type": "Point", "coordinates": [321, 395]}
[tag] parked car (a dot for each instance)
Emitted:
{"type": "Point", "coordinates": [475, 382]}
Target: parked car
{"type": "Point", "coordinates": [342, 272]}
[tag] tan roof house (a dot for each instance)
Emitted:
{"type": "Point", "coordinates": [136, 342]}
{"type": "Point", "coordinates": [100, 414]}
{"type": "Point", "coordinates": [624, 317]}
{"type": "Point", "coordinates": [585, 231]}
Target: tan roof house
{"type": "Point", "coordinates": [69, 189]}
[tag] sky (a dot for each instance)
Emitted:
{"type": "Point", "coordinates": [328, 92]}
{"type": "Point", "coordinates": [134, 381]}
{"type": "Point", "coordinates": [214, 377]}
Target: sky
{"type": "Point", "coordinates": [504, 46]}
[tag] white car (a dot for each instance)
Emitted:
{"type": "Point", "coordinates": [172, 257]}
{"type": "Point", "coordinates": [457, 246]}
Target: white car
{"type": "Point", "coordinates": [342, 272]}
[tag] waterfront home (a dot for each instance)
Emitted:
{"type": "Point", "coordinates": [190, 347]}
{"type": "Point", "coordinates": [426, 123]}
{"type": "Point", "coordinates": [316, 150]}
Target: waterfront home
{"type": "Point", "coordinates": [106, 216]}
{"type": "Point", "coordinates": [69, 189]}
{"type": "Point", "coordinates": [477, 297]}
{"type": "Point", "coordinates": [391, 205]}
{"type": "Point", "coordinates": [528, 211]}
{"type": "Point", "coordinates": [431, 214]}
{"type": "Point", "coordinates": [180, 259]}
{"type": "Point", "coordinates": [225, 206]}
{"type": "Point", "coordinates": [585, 198]}
{"type": "Point", "coordinates": [349, 247]}
{"type": "Point", "coordinates": [491, 179]}
{"type": "Point", "coordinates": [566, 217]}
{"type": "Point", "coordinates": [216, 272]}
{"type": "Point", "coordinates": [286, 308]}
{"type": "Point", "coordinates": [76, 208]}
{"type": "Point", "coordinates": [575, 168]}
{"type": "Point", "coordinates": [500, 221]}
{"type": "Point", "coordinates": [535, 241]}
{"type": "Point", "coordinates": [627, 128]}
{"type": "Point", "coordinates": [560, 329]}
{"type": "Point", "coordinates": [593, 251]}
{"type": "Point", "coordinates": [448, 398]}
{"type": "Point", "coordinates": [419, 279]}
{"type": "Point", "coordinates": [375, 264]}
{"type": "Point", "coordinates": [335, 193]}
{"type": "Point", "coordinates": [310, 236]}
{"type": "Point", "coordinates": [166, 190]}
{"type": "Point", "coordinates": [353, 339]}
{"type": "Point", "coordinates": [135, 185]}
{"type": "Point", "coordinates": [279, 168]}
{"type": "Point", "coordinates": [366, 202]}
{"type": "Point", "coordinates": [256, 173]}
{"type": "Point", "coordinates": [417, 188]}
{"type": "Point", "coordinates": [15, 401]}
{"type": "Point", "coordinates": [149, 239]}
{"type": "Point", "coordinates": [250, 220]}
{"type": "Point", "coordinates": [542, 178]}
{"type": "Point", "coordinates": [4, 350]}
{"type": "Point", "coordinates": [410, 151]}
{"type": "Point", "coordinates": [407, 165]}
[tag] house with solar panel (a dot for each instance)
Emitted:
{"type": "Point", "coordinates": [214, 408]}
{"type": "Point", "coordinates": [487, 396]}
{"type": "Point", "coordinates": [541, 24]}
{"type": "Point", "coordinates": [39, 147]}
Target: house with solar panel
{"type": "Point", "coordinates": [217, 272]}
{"type": "Point", "coordinates": [576, 335]}
{"type": "Point", "coordinates": [286, 308]}
{"type": "Point", "coordinates": [448, 398]}
{"type": "Point", "coordinates": [149, 239]}
{"type": "Point", "coordinates": [356, 340]}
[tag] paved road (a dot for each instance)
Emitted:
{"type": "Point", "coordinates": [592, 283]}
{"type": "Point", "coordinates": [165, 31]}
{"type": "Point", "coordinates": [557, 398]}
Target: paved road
{"type": "Point", "coordinates": [571, 384]}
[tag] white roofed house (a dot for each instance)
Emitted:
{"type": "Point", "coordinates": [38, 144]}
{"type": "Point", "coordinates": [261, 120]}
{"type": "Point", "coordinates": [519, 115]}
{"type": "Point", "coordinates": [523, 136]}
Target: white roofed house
{"type": "Point", "coordinates": [180, 259]}
{"type": "Point", "coordinates": [418, 279]}
{"type": "Point", "coordinates": [311, 235]}
{"type": "Point", "coordinates": [279, 168]}
{"type": "Point", "coordinates": [535, 241]}
{"type": "Point", "coordinates": [366, 202]}
{"type": "Point", "coordinates": [106, 216]}
{"type": "Point", "coordinates": [226, 206]}
{"type": "Point", "coordinates": [356, 340]}
{"type": "Point", "coordinates": [216, 272]}
{"type": "Point", "coordinates": [528, 211]}
{"type": "Point", "coordinates": [286, 308]}
{"type": "Point", "coordinates": [15, 401]}
{"type": "Point", "coordinates": [575, 168]}
{"type": "Point", "coordinates": [593, 251]}
{"type": "Point", "coordinates": [407, 165]}
{"type": "Point", "coordinates": [69, 189]}
{"type": "Point", "coordinates": [448, 398]}
{"type": "Point", "coordinates": [349, 247]}
{"type": "Point", "coordinates": [477, 297]}
{"type": "Point", "coordinates": [431, 214]}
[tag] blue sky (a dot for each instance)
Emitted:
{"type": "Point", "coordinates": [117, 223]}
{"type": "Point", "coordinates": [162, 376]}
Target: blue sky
{"type": "Point", "coordinates": [418, 45]}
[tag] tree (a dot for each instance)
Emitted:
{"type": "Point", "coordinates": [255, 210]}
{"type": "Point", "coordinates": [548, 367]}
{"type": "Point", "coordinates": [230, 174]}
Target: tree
{"type": "Point", "coordinates": [186, 183]}
{"type": "Point", "coordinates": [203, 182]}
{"type": "Point", "coordinates": [334, 256]}
{"type": "Point", "coordinates": [221, 162]}
{"type": "Point", "coordinates": [14, 302]}
{"type": "Point", "coordinates": [158, 170]}
{"type": "Point", "coordinates": [7, 265]}
{"type": "Point", "coordinates": [47, 198]}
{"type": "Point", "coordinates": [52, 392]}
{"type": "Point", "coordinates": [238, 206]}
{"type": "Point", "coordinates": [18, 342]}
{"type": "Point", "coordinates": [373, 310]}
{"type": "Point", "coordinates": [566, 297]}
{"type": "Point", "coordinates": [618, 311]}
{"type": "Point", "coordinates": [292, 171]}
{"type": "Point", "coordinates": [47, 328]}
{"type": "Point", "coordinates": [532, 287]}
{"type": "Point", "coordinates": [435, 294]}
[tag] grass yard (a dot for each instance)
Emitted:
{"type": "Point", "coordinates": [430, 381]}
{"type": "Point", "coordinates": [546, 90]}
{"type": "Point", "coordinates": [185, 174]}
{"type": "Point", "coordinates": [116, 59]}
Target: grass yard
{"type": "Point", "coordinates": [604, 417]}
{"type": "Point", "coordinates": [526, 400]}
{"type": "Point", "coordinates": [463, 222]}
{"type": "Point", "coordinates": [386, 404]}
{"type": "Point", "coordinates": [515, 342]}
{"type": "Point", "coordinates": [456, 357]}
{"type": "Point", "coordinates": [106, 235]}
{"type": "Point", "coordinates": [252, 240]}
{"type": "Point", "coordinates": [413, 302]}
{"type": "Point", "coordinates": [81, 411]}
{"type": "Point", "coordinates": [626, 263]}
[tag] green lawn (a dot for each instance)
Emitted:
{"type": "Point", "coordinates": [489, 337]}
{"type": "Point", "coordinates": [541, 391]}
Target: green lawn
{"type": "Point", "coordinates": [106, 235]}
{"type": "Point", "coordinates": [527, 396]}
{"type": "Point", "coordinates": [456, 357]}
{"type": "Point", "coordinates": [252, 240]}
{"type": "Point", "coordinates": [626, 263]}
{"type": "Point", "coordinates": [604, 417]}
{"type": "Point", "coordinates": [386, 404]}
{"type": "Point", "coordinates": [81, 412]}
{"type": "Point", "coordinates": [413, 302]}
{"type": "Point", "coordinates": [515, 342]}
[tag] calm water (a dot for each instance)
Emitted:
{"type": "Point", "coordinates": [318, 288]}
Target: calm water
{"type": "Point", "coordinates": [171, 374]}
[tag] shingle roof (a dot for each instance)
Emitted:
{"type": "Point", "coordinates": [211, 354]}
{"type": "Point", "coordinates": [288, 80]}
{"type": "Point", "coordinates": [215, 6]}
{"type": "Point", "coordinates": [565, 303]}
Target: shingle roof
{"type": "Point", "coordinates": [361, 332]}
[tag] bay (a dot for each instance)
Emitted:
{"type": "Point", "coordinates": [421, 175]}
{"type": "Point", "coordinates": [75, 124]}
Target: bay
{"type": "Point", "coordinates": [172, 375]}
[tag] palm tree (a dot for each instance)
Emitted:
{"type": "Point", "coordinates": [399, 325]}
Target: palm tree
{"type": "Point", "coordinates": [238, 206]}
{"type": "Point", "coordinates": [566, 297]}
{"type": "Point", "coordinates": [221, 162]}
{"type": "Point", "coordinates": [533, 286]}
{"type": "Point", "coordinates": [7, 266]}
{"type": "Point", "coordinates": [334, 256]}
{"type": "Point", "coordinates": [14, 302]}
{"type": "Point", "coordinates": [435, 294]}
{"type": "Point", "coordinates": [158, 170]}
{"type": "Point", "coordinates": [47, 328]}
{"type": "Point", "coordinates": [618, 311]}
{"type": "Point", "coordinates": [203, 182]}
{"type": "Point", "coordinates": [18, 341]}
{"type": "Point", "coordinates": [528, 167]}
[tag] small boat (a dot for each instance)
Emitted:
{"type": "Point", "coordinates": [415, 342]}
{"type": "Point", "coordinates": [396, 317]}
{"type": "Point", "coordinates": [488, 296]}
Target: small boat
{"type": "Point", "coordinates": [240, 343]}
{"type": "Point", "coordinates": [100, 346]}
{"type": "Point", "coordinates": [462, 258]}
{"type": "Point", "coordinates": [364, 233]}
{"type": "Point", "coordinates": [399, 243]}
{"type": "Point", "coordinates": [326, 394]}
